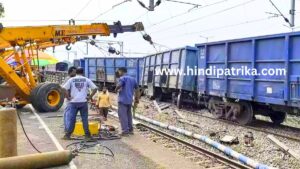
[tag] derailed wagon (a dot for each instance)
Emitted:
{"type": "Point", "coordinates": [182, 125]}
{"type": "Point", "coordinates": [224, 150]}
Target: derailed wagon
{"type": "Point", "coordinates": [163, 75]}
{"type": "Point", "coordinates": [240, 97]}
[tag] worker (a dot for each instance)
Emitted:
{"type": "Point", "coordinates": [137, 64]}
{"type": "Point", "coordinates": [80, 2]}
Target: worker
{"type": "Point", "coordinates": [103, 102]}
{"type": "Point", "coordinates": [42, 74]}
{"type": "Point", "coordinates": [78, 98]}
{"type": "Point", "coordinates": [127, 87]}
{"type": "Point", "coordinates": [71, 73]}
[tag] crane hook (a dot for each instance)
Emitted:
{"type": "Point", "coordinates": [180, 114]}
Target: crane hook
{"type": "Point", "coordinates": [68, 47]}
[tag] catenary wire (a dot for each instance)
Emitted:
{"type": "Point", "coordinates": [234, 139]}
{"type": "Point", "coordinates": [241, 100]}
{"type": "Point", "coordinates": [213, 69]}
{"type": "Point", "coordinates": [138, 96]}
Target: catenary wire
{"type": "Point", "coordinates": [83, 8]}
{"type": "Point", "coordinates": [51, 20]}
{"type": "Point", "coordinates": [281, 14]}
{"type": "Point", "coordinates": [181, 14]}
{"type": "Point", "coordinates": [182, 2]}
{"type": "Point", "coordinates": [112, 8]}
{"type": "Point", "coordinates": [219, 28]}
{"type": "Point", "coordinates": [175, 16]}
{"type": "Point", "coordinates": [203, 17]}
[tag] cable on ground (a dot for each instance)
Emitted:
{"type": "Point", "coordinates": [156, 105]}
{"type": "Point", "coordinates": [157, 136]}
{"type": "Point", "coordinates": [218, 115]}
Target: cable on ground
{"type": "Point", "coordinates": [24, 131]}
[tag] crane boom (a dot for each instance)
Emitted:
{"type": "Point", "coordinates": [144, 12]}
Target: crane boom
{"type": "Point", "coordinates": [20, 36]}
{"type": "Point", "coordinates": [15, 40]}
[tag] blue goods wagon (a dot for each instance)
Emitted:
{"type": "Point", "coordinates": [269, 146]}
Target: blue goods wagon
{"type": "Point", "coordinates": [76, 62]}
{"type": "Point", "coordinates": [79, 63]}
{"type": "Point", "coordinates": [164, 78]}
{"type": "Point", "coordinates": [102, 70]}
{"type": "Point", "coordinates": [273, 89]}
{"type": "Point", "coordinates": [141, 62]}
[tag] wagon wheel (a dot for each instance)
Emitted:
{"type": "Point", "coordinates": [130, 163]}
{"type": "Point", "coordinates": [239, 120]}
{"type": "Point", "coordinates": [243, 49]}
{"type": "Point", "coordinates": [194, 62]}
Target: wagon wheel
{"type": "Point", "coordinates": [174, 98]}
{"type": "Point", "coordinates": [245, 116]}
{"type": "Point", "coordinates": [179, 101]}
{"type": "Point", "coordinates": [214, 109]}
{"type": "Point", "coordinates": [159, 97]}
{"type": "Point", "coordinates": [278, 117]}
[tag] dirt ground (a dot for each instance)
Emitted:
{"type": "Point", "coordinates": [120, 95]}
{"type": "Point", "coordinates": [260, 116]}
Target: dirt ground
{"type": "Point", "coordinates": [130, 152]}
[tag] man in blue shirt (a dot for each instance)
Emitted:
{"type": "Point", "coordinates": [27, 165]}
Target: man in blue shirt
{"type": "Point", "coordinates": [127, 87]}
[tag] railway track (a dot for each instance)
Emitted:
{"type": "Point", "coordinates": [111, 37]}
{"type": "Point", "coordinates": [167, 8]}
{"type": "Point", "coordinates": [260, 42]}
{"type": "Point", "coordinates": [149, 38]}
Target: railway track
{"type": "Point", "coordinates": [297, 139]}
{"type": "Point", "coordinates": [289, 135]}
{"type": "Point", "coordinates": [202, 157]}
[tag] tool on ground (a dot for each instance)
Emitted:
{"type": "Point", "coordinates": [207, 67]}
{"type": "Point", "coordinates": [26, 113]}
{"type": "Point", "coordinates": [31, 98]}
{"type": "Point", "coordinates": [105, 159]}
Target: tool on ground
{"type": "Point", "coordinates": [229, 140]}
{"type": "Point", "coordinates": [249, 139]}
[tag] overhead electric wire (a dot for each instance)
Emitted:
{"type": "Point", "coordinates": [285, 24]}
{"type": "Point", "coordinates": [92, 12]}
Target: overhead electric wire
{"type": "Point", "coordinates": [137, 53]}
{"type": "Point", "coordinates": [136, 19]}
{"type": "Point", "coordinates": [113, 7]}
{"type": "Point", "coordinates": [177, 15]}
{"type": "Point", "coordinates": [103, 13]}
{"type": "Point", "coordinates": [50, 20]}
{"type": "Point", "coordinates": [219, 28]}
{"type": "Point", "coordinates": [203, 17]}
{"type": "Point", "coordinates": [183, 13]}
{"type": "Point", "coordinates": [83, 8]}
{"type": "Point", "coordinates": [281, 14]}
{"type": "Point", "coordinates": [181, 2]}
{"type": "Point", "coordinates": [161, 45]}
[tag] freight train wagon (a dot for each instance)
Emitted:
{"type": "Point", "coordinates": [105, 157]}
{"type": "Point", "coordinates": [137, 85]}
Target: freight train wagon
{"type": "Point", "coordinates": [173, 86]}
{"type": "Point", "coordinates": [102, 70]}
{"type": "Point", "coordinates": [79, 63]}
{"type": "Point", "coordinates": [239, 97]}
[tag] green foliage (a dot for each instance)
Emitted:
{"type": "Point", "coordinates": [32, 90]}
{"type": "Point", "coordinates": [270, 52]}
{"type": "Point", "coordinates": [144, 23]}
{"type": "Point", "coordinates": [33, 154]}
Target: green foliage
{"type": "Point", "coordinates": [1, 10]}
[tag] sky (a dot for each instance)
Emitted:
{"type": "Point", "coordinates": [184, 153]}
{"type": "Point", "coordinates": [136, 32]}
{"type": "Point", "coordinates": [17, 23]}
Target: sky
{"type": "Point", "coordinates": [171, 25]}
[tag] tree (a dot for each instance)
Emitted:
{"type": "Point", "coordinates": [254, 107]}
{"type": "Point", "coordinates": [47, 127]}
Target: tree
{"type": "Point", "coordinates": [1, 10]}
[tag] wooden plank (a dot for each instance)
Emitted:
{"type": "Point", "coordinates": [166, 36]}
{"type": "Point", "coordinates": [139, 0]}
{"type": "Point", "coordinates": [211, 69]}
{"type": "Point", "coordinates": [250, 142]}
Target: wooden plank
{"type": "Point", "coordinates": [157, 107]}
{"type": "Point", "coordinates": [179, 114]}
{"type": "Point", "coordinates": [283, 147]}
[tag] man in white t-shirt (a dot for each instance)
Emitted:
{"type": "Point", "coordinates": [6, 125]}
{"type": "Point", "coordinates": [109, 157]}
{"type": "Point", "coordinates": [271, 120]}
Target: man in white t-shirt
{"type": "Point", "coordinates": [78, 97]}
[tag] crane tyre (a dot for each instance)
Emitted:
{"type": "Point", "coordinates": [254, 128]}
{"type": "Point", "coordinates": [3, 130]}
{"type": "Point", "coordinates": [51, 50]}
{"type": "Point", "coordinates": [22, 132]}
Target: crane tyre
{"type": "Point", "coordinates": [49, 97]}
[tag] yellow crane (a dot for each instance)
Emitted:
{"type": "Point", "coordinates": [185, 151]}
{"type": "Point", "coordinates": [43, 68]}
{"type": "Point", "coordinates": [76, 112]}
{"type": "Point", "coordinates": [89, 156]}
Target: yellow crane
{"type": "Point", "coordinates": [20, 80]}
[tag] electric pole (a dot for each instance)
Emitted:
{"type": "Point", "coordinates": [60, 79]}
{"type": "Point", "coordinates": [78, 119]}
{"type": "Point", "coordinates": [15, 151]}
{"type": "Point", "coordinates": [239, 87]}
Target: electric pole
{"type": "Point", "coordinates": [292, 13]}
{"type": "Point", "coordinates": [151, 5]}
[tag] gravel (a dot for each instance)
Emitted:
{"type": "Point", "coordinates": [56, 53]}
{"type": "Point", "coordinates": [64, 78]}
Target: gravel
{"type": "Point", "coordinates": [263, 151]}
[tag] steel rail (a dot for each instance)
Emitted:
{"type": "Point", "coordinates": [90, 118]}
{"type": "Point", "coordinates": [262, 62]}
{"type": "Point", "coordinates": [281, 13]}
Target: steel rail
{"type": "Point", "coordinates": [225, 160]}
